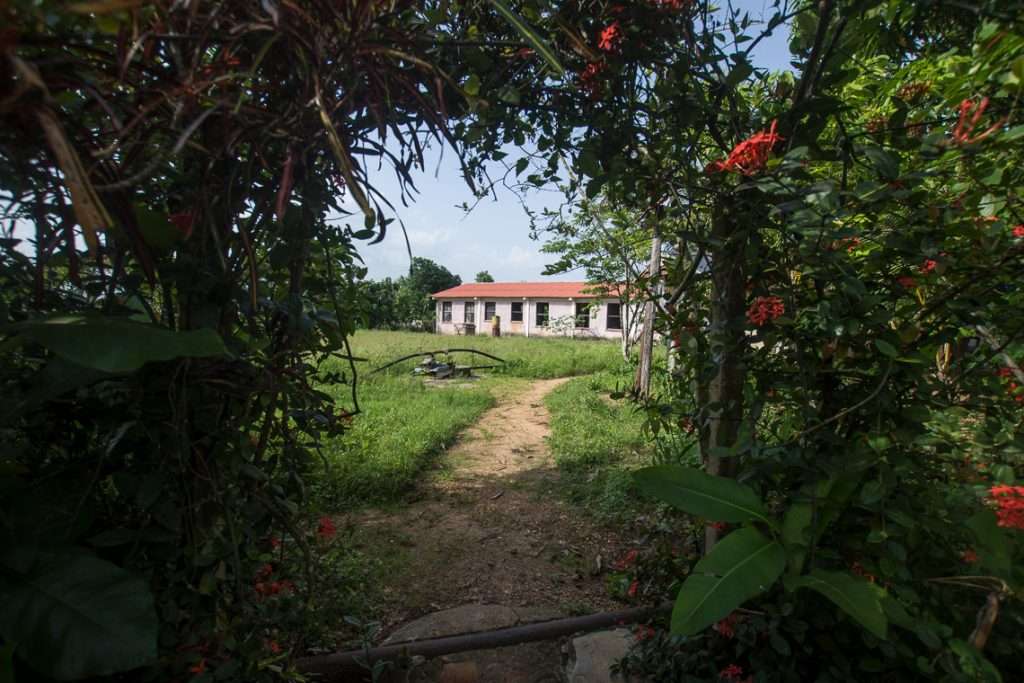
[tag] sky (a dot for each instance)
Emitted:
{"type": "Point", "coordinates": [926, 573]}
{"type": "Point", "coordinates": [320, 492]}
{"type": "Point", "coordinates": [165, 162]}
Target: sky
{"type": "Point", "coordinates": [495, 235]}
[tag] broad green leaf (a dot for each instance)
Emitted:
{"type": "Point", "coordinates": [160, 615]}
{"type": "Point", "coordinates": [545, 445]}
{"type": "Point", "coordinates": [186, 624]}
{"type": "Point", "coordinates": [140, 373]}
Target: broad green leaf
{"type": "Point", "coordinates": [116, 344]}
{"type": "Point", "coordinates": [859, 599]}
{"type": "Point", "coordinates": [887, 348]}
{"type": "Point", "coordinates": [993, 546]}
{"type": "Point", "coordinates": [796, 536]}
{"type": "Point", "coordinates": [539, 45]}
{"type": "Point", "coordinates": [74, 615]}
{"type": "Point", "coordinates": [693, 491]}
{"type": "Point", "coordinates": [743, 564]}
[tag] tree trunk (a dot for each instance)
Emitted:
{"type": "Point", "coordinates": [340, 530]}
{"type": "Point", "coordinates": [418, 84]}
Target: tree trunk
{"type": "Point", "coordinates": [725, 390]}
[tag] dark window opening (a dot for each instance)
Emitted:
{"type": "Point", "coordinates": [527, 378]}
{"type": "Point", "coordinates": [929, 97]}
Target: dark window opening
{"type": "Point", "coordinates": [614, 316]}
{"type": "Point", "coordinates": [469, 315]}
{"type": "Point", "coordinates": [542, 314]}
{"type": "Point", "coordinates": [582, 315]}
{"type": "Point", "coordinates": [446, 311]}
{"type": "Point", "coordinates": [489, 310]}
{"type": "Point", "coordinates": [517, 312]}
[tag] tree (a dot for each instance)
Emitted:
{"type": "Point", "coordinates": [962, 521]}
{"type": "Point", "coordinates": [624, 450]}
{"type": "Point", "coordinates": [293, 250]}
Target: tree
{"type": "Point", "coordinates": [425, 278]}
{"type": "Point", "coordinates": [484, 276]}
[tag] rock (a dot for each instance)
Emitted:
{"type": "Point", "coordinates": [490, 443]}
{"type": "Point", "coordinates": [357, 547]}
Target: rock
{"type": "Point", "coordinates": [593, 654]}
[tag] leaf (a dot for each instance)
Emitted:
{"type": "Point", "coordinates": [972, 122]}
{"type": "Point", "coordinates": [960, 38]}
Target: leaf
{"type": "Point", "coordinates": [74, 615]}
{"type": "Point", "coordinates": [796, 526]}
{"type": "Point", "coordinates": [887, 348]}
{"type": "Point", "coordinates": [886, 163]}
{"type": "Point", "coordinates": [116, 344]}
{"type": "Point", "coordinates": [993, 544]}
{"type": "Point", "coordinates": [859, 599]}
{"type": "Point", "coordinates": [539, 45]}
{"type": "Point", "coordinates": [693, 491]}
{"type": "Point", "coordinates": [743, 564]}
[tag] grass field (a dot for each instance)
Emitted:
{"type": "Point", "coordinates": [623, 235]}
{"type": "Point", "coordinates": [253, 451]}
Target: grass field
{"type": "Point", "coordinates": [404, 423]}
{"type": "Point", "coordinates": [597, 442]}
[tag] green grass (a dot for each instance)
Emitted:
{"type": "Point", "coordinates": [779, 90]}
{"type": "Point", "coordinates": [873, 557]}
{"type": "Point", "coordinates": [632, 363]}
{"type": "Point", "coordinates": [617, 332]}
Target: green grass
{"type": "Point", "coordinates": [597, 442]}
{"type": "Point", "coordinates": [526, 357]}
{"type": "Point", "coordinates": [405, 424]}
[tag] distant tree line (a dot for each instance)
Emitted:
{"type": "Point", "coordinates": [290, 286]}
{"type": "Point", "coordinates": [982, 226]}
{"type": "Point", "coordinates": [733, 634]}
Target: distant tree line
{"type": "Point", "coordinates": [405, 302]}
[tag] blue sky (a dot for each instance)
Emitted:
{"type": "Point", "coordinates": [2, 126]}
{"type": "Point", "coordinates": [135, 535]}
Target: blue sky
{"type": "Point", "coordinates": [494, 236]}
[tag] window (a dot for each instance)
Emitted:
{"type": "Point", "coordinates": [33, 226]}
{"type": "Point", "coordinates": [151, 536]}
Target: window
{"type": "Point", "coordinates": [542, 314]}
{"type": "Point", "coordinates": [517, 312]}
{"type": "Point", "coordinates": [582, 315]}
{"type": "Point", "coordinates": [489, 311]}
{"type": "Point", "coordinates": [614, 316]}
{"type": "Point", "coordinates": [469, 314]}
{"type": "Point", "coordinates": [446, 311]}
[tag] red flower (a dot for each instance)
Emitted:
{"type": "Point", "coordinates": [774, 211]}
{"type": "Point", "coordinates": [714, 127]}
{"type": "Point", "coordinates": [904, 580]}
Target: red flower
{"type": "Point", "coordinates": [611, 38]}
{"type": "Point", "coordinates": [643, 633]}
{"type": "Point", "coordinates": [725, 626]}
{"type": "Point", "coordinates": [275, 542]}
{"type": "Point", "coordinates": [764, 309]}
{"type": "Point", "coordinates": [672, 4]}
{"type": "Point", "coordinates": [326, 529]}
{"type": "Point", "coordinates": [906, 281]}
{"type": "Point", "coordinates": [628, 560]}
{"type": "Point", "coordinates": [751, 155]}
{"type": "Point", "coordinates": [183, 222]}
{"type": "Point", "coordinates": [969, 556]}
{"type": "Point", "coordinates": [1009, 503]}
{"type": "Point", "coordinates": [633, 588]}
{"type": "Point", "coordinates": [928, 266]}
{"type": "Point", "coordinates": [274, 647]}
{"type": "Point", "coordinates": [970, 115]}
{"type": "Point", "coordinates": [1018, 230]}
{"type": "Point", "coordinates": [718, 526]}
{"type": "Point", "coordinates": [524, 52]}
{"type": "Point", "coordinates": [731, 672]}
{"type": "Point", "coordinates": [1004, 372]}
{"type": "Point", "coordinates": [265, 571]}
{"type": "Point", "coordinates": [590, 78]}
{"type": "Point", "coordinates": [200, 667]}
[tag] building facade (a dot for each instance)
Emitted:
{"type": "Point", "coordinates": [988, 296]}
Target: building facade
{"type": "Point", "coordinates": [531, 309]}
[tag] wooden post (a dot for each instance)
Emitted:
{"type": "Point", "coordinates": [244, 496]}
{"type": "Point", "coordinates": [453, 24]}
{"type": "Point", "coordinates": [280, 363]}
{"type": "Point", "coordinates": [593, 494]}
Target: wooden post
{"type": "Point", "coordinates": [642, 386]}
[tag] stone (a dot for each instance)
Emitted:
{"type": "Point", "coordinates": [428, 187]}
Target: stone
{"type": "Point", "coordinates": [592, 655]}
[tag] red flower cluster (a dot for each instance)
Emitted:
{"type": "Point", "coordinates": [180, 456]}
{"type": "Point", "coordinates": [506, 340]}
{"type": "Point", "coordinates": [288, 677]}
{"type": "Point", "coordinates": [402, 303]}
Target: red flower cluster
{"type": "Point", "coordinates": [590, 78]}
{"type": "Point", "coordinates": [274, 647]}
{"type": "Point", "coordinates": [1004, 372]}
{"type": "Point", "coordinates": [611, 38]}
{"type": "Point", "coordinates": [326, 529]}
{"type": "Point", "coordinates": [273, 587]}
{"type": "Point", "coordinates": [1018, 230]}
{"type": "Point", "coordinates": [928, 266]}
{"type": "Point", "coordinates": [969, 556]}
{"type": "Point", "coordinates": [1009, 503]}
{"type": "Point", "coordinates": [725, 626]}
{"type": "Point", "coordinates": [643, 633]}
{"type": "Point", "coordinates": [183, 223]}
{"type": "Point", "coordinates": [628, 560]}
{"type": "Point", "coordinates": [970, 116]}
{"type": "Point", "coordinates": [675, 5]}
{"type": "Point", "coordinates": [731, 672]}
{"type": "Point", "coordinates": [764, 309]}
{"type": "Point", "coordinates": [751, 155]}
{"type": "Point", "coordinates": [906, 281]}
{"type": "Point", "coordinates": [633, 588]}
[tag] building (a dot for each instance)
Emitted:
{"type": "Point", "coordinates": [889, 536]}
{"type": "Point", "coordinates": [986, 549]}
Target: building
{"type": "Point", "coordinates": [541, 309]}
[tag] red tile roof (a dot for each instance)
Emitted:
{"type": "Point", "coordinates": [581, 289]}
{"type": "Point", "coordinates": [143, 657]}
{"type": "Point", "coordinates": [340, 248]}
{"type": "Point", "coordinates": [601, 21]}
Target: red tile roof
{"type": "Point", "coordinates": [516, 290]}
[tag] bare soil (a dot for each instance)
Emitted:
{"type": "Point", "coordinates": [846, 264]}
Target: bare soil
{"type": "Point", "coordinates": [488, 526]}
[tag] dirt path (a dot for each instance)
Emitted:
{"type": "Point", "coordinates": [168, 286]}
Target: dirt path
{"type": "Point", "coordinates": [490, 529]}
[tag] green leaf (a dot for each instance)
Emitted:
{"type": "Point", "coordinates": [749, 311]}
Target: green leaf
{"type": "Point", "coordinates": [743, 564]}
{"type": "Point", "coordinates": [886, 163]}
{"type": "Point", "coordinates": [887, 348]}
{"type": "Point", "coordinates": [859, 599]}
{"type": "Point", "coordinates": [74, 615]}
{"type": "Point", "coordinates": [539, 45]}
{"type": "Point", "coordinates": [693, 491]}
{"type": "Point", "coordinates": [796, 526]}
{"type": "Point", "coordinates": [472, 85]}
{"type": "Point", "coordinates": [993, 544]}
{"type": "Point", "coordinates": [116, 344]}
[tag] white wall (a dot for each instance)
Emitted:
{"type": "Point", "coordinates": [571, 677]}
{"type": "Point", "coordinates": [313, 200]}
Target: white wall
{"type": "Point", "coordinates": [557, 308]}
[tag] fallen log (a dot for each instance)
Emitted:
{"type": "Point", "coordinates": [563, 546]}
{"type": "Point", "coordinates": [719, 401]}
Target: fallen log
{"type": "Point", "coordinates": [340, 665]}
